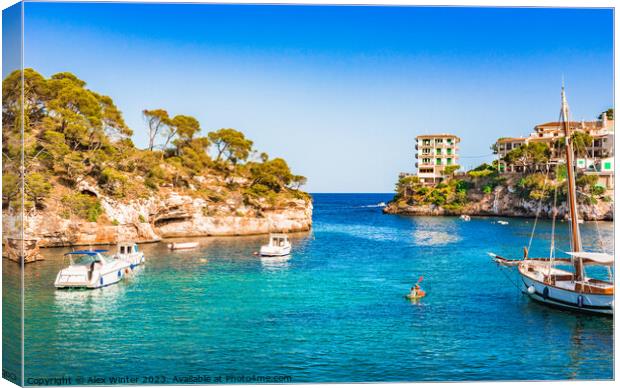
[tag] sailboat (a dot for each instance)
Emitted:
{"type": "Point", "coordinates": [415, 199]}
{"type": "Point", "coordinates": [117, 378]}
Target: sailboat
{"type": "Point", "coordinates": [563, 282]}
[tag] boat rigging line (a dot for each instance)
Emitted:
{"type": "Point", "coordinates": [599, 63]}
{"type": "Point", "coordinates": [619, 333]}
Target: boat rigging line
{"type": "Point", "coordinates": [538, 209]}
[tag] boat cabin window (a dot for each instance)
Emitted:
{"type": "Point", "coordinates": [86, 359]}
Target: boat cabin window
{"type": "Point", "coordinates": [278, 241]}
{"type": "Point", "coordinates": [85, 259]}
{"type": "Point", "coordinates": [127, 249]}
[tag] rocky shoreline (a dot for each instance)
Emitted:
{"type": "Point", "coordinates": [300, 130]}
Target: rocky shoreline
{"type": "Point", "coordinates": [503, 203]}
{"type": "Point", "coordinates": [163, 216]}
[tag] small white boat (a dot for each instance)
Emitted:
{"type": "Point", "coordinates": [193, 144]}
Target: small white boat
{"type": "Point", "coordinates": [129, 252]}
{"type": "Point", "coordinates": [90, 269]}
{"type": "Point", "coordinates": [381, 204]}
{"type": "Point", "coordinates": [183, 245]}
{"type": "Point", "coordinates": [465, 217]}
{"type": "Point", "coordinates": [502, 222]}
{"type": "Point", "coordinates": [279, 245]}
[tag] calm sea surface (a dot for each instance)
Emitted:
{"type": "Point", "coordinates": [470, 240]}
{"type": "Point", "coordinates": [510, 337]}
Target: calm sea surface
{"type": "Point", "coordinates": [334, 311]}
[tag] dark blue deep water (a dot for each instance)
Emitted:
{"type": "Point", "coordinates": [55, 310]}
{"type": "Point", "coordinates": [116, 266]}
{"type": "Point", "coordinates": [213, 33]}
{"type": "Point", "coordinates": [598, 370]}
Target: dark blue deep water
{"type": "Point", "coordinates": [333, 312]}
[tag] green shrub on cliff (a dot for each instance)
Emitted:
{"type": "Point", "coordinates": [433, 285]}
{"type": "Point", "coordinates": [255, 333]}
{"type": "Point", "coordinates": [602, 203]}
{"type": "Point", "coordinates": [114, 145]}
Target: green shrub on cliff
{"type": "Point", "coordinates": [84, 206]}
{"type": "Point", "coordinates": [480, 173]}
{"type": "Point", "coordinates": [10, 190]}
{"type": "Point", "coordinates": [36, 189]}
{"type": "Point", "coordinates": [451, 194]}
{"type": "Point", "coordinates": [113, 181]}
{"type": "Point", "coordinates": [535, 186]}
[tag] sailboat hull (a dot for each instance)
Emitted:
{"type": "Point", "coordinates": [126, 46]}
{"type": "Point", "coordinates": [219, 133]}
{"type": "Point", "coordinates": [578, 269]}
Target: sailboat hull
{"type": "Point", "coordinates": [567, 299]}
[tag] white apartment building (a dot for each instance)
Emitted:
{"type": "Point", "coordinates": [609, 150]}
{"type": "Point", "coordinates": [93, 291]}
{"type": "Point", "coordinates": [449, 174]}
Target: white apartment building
{"type": "Point", "coordinates": [433, 154]}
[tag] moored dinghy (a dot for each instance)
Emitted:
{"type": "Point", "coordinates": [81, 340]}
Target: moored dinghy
{"type": "Point", "coordinates": [90, 269]}
{"type": "Point", "coordinates": [183, 245]}
{"type": "Point", "coordinates": [279, 245]}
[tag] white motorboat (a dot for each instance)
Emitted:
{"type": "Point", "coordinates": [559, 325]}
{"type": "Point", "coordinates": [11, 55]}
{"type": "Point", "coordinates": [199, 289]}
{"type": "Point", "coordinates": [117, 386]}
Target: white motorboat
{"type": "Point", "coordinates": [279, 245]}
{"type": "Point", "coordinates": [465, 217]}
{"type": "Point", "coordinates": [183, 245]}
{"type": "Point", "coordinates": [129, 252]}
{"type": "Point", "coordinates": [502, 222]}
{"type": "Point", "coordinates": [90, 269]}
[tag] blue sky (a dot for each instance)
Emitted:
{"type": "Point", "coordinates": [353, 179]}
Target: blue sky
{"type": "Point", "coordinates": [339, 92]}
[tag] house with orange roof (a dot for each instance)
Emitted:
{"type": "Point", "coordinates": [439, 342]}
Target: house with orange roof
{"type": "Point", "coordinates": [598, 158]}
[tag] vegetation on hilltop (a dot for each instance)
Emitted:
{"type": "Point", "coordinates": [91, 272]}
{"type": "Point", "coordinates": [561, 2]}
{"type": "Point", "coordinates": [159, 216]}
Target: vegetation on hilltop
{"type": "Point", "coordinates": [73, 135]}
{"type": "Point", "coordinates": [455, 192]}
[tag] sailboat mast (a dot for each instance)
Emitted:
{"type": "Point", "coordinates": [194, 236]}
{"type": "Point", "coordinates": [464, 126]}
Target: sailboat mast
{"type": "Point", "coordinates": [572, 191]}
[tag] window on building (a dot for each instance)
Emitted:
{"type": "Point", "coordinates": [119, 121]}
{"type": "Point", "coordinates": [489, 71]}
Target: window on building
{"type": "Point", "coordinates": [439, 141]}
{"type": "Point", "coordinates": [449, 141]}
{"type": "Point", "coordinates": [449, 151]}
{"type": "Point", "coordinates": [449, 161]}
{"type": "Point", "coordinates": [438, 161]}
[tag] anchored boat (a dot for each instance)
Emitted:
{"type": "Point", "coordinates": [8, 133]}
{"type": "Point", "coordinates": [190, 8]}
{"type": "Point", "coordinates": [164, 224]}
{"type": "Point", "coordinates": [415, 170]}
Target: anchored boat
{"type": "Point", "coordinates": [129, 252]}
{"type": "Point", "coordinates": [563, 282]}
{"type": "Point", "coordinates": [90, 269]}
{"type": "Point", "coordinates": [279, 245]}
{"type": "Point", "coordinates": [183, 245]}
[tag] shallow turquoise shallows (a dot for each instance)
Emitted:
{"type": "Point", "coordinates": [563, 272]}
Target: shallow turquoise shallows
{"type": "Point", "coordinates": [335, 311]}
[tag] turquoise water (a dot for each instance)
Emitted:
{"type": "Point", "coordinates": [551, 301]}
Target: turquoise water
{"type": "Point", "coordinates": [334, 311]}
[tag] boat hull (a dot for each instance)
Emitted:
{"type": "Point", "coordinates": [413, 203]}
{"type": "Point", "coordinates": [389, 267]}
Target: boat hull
{"type": "Point", "coordinates": [566, 299]}
{"type": "Point", "coordinates": [178, 246]}
{"type": "Point", "coordinates": [102, 279]}
{"type": "Point", "coordinates": [269, 251]}
{"type": "Point", "coordinates": [134, 259]}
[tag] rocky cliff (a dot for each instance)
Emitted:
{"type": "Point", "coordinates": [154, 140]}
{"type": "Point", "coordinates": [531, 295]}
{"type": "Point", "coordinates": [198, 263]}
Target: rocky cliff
{"type": "Point", "coordinates": [504, 202]}
{"type": "Point", "coordinates": [169, 214]}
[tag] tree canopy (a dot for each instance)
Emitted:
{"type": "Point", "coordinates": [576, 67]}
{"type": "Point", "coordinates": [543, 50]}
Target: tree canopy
{"type": "Point", "coordinates": [529, 155]}
{"type": "Point", "coordinates": [231, 145]}
{"type": "Point", "coordinates": [72, 134]}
